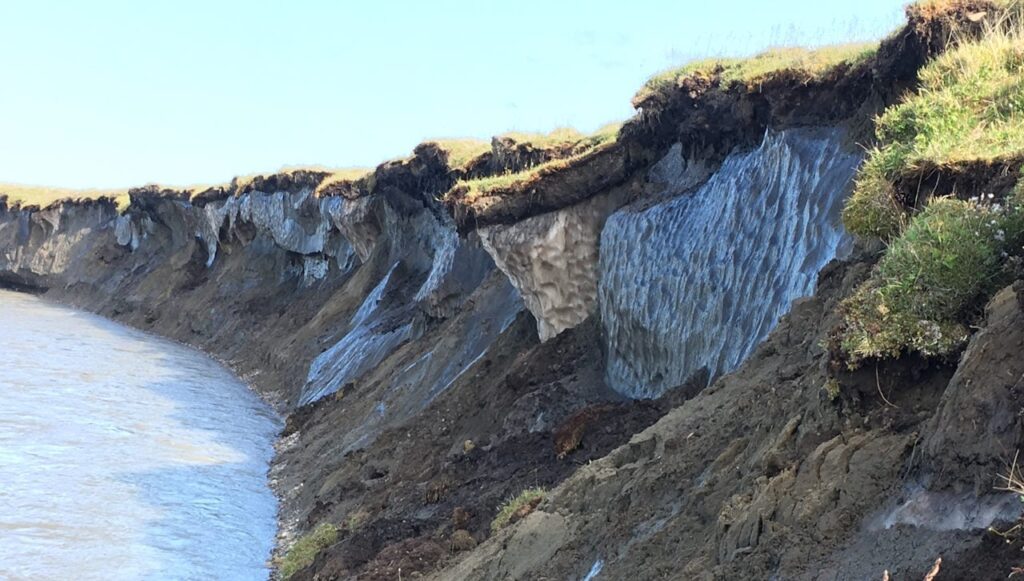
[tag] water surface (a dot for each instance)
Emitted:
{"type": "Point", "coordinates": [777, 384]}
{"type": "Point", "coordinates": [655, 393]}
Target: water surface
{"type": "Point", "coordinates": [124, 456]}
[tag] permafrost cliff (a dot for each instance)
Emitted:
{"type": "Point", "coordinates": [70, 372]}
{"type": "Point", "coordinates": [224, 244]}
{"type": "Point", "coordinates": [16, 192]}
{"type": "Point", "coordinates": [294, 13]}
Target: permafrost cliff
{"type": "Point", "coordinates": [696, 281]}
{"type": "Point", "coordinates": [435, 358]}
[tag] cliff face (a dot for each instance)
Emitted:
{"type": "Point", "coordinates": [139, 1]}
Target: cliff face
{"type": "Point", "coordinates": [437, 357]}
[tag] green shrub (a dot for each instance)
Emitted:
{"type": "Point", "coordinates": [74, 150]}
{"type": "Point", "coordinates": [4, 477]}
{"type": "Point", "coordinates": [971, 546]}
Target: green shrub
{"type": "Point", "coordinates": [514, 504]}
{"type": "Point", "coordinates": [305, 550]}
{"type": "Point", "coordinates": [969, 109]}
{"type": "Point", "coordinates": [919, 298]}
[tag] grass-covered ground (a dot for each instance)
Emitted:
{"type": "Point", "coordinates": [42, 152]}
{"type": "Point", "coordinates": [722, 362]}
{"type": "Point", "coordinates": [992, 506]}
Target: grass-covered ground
{"type": "Point", "coordinates": [306, 548]}
{"type": "Point", "coordinates": [578, 145]}
{"type": "Point", "coordinates": [462, 151]}
{"type": "Point", "coordinates": [338, 176]}
{"type": "Point", "coordinates": [806, 63]}
{"type": "Point", "coordinates": [44, 196]}
{"type": "Point", "coordinates": [945, 256]}
{"type": "Point", "coordinates": [969, 109]}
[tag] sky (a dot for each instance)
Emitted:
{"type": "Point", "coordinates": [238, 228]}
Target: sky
{"type": "Point", "coordinates": [111, 93]}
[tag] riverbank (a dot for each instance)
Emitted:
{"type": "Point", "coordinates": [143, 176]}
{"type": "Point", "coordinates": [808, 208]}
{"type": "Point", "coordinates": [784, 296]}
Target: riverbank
{"type": "Point", "coordinates": [444, 333]}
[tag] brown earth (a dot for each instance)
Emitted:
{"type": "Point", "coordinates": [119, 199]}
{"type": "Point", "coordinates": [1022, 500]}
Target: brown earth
{"type": "Point", "coordinates": [761, 476]}
{"type": "Point", "coordinates": [414, 478]}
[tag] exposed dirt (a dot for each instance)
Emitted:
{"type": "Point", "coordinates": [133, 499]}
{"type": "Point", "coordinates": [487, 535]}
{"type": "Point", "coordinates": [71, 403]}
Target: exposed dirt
{"type": "Point", "coordinates": [997, 177]}
{"type": "Point", "coordinates": [491, 435]}
{"type": "Point", "coordinates": [761, 476]}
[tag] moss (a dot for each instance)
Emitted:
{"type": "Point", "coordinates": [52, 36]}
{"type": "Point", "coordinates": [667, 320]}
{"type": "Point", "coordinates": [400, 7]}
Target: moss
{"type": "Point", "coordinates": [305, 550]}
{"type": "Point", "coordinates": [810, 63]}
{"type": "Point", "coordinates": [356, 520]}
{"type": "Point", "coordinates": [921, 295]}
{"type": "Point", "coordinates": [530, 496]}
{"type": "Point", "coordinates": [969, 109]}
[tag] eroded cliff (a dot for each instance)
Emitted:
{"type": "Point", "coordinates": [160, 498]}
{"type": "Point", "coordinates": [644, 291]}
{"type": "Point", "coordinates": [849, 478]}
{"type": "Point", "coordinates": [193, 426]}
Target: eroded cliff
{"type": "Point", "coordinates": [443, 334]}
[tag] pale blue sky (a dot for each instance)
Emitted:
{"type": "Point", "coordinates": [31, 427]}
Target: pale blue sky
{"type": "Point", "coordinates": [110, 93]}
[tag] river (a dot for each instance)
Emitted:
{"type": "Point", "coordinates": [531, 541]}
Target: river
{"type": "Point", "coordinates": [125, 456]}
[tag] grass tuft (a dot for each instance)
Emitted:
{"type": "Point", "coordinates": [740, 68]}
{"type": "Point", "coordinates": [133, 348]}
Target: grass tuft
{"type": "Point", "coordinates": [305, 550]}
{"type": "Point", "coordinates": [530, 496]}
{"type": "Point", "coordinates": [921, 295]}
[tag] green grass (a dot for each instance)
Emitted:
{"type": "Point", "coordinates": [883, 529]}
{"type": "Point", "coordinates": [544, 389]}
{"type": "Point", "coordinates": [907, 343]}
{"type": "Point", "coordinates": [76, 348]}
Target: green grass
{"type": "Point", "coordinates": [462, 151]}
{"type": "Point", "coordinates": [513, 504]}
{"type": "Point", "coordinates": [811, 63]}
{"type": "Point", "coordinates": [969, 108]}
{"type": "Point", "coordinates": [342, 175]}
{"type": "Point", "coordinates": [581, 146]}
{"type": "Point", "coordinates": [305, 550]}
{"type": "Point", "coordinates": [921, 296]}
{"type": "Point", "coordinates": [44, 196]}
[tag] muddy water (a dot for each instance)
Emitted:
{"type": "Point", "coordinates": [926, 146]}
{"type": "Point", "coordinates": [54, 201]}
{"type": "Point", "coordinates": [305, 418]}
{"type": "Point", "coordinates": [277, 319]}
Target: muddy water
{"type": "Point", "coordinates": [123, 456]}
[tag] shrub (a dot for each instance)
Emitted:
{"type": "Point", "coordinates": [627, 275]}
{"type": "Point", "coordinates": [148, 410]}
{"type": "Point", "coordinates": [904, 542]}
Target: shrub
{"type": "Point", "coordinates": [305, 550]}
{"type": "Point", "coordinates": [969, 109]}
{"type": "Point", "coordinates": [523, 502]}
{"type": "Point", "coordinates": [921, 294]}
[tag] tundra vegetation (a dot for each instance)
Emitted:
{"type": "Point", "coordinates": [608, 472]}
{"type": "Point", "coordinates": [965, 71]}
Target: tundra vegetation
{"type": "Point", "coordinates": [577, 146]}
{"type": "Point", "coordinates": [945, 255]}
{"type": "Point", "coordinates": [41, 196]}
{"type": "Point", "coordinates": [514, 507]}
{"type": "Point", "coordinates": [808, 64]}
{"type": "Point", "coordinates": [305, 550]}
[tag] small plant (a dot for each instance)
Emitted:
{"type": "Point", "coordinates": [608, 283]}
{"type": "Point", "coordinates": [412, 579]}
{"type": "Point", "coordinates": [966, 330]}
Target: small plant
{"type": "Point", "coordinates": [355, 520]}
{"type": "Point", "coordinates": [832, 389]}
{"type": "Point", "coordinates": [305, 550]}
{"type": "Point", "coordinates": [515, 507]}
{"type": "Point", "coordinates": [921, 294]}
